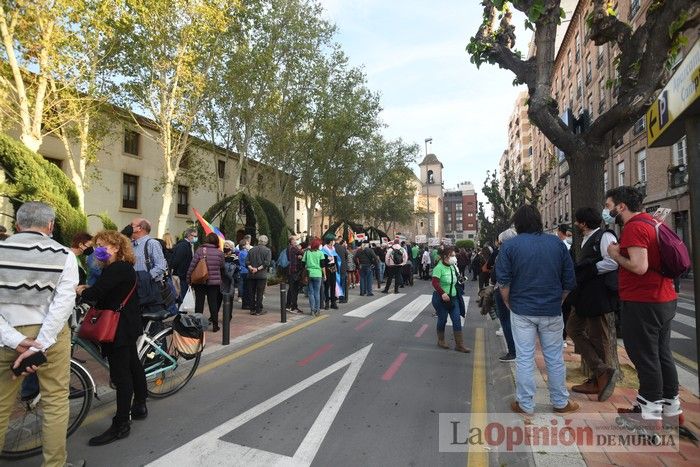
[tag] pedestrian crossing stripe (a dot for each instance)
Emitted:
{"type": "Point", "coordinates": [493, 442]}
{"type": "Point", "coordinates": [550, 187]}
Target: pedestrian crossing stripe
{"type": "Point", "coordinates": [408, 313]}
{"type": "Point", "coordinates": [375, 305]}
{"type": "Point", "coordinates": [683, 319]}
{"type": "Point", "coordinates": [210, 449]}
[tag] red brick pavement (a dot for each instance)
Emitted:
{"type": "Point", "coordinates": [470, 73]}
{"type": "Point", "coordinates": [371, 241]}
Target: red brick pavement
{"type": "Point", "coordinates": [688, 453]}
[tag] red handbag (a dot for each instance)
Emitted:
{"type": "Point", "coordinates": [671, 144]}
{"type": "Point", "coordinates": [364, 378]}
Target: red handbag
{"type": "Point", "coordinates": [101, 325]}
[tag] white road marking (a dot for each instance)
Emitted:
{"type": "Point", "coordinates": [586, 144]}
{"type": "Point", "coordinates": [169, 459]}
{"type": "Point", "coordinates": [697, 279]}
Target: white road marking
{"type": "Point", "coordinates": [375, 305]}
{"type": "Point", "coordinates": [686, 306]}
{"type": "Point", "coordinates": [466, 308]}
{"type": "Point", "coordinates": [408, 313]}
{"type": "Point", "coordinates": [209, 450]}
{"type": "Point", "coordinates": [678, 335]}
{"type": "Point", "coordinates": [683, 319]}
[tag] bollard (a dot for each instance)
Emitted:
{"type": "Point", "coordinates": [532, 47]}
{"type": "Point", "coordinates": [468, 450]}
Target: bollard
{"type": "Point", "coordinates": [283, 302]}
{"type": "Point", "coordinates": [226, 325]}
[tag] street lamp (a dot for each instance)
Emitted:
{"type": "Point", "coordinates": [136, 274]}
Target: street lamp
{"type": "Point", "coordinates": [429, 181]}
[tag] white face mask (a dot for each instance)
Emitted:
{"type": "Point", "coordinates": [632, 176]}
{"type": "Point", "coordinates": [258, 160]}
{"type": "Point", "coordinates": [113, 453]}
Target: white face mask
{"type": "Point", "coordinates": [453, 260]}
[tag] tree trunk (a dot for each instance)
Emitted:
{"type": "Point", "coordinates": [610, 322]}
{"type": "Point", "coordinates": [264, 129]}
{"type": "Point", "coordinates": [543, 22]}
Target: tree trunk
{"type": "Point", "coordinates": [30, 140]}
{"type": "Point", "coordinates": [167, 203]}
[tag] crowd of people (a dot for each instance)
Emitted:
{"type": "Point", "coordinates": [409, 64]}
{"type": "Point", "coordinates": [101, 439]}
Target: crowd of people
{"type": "Point", "coordinates": [539, 288]}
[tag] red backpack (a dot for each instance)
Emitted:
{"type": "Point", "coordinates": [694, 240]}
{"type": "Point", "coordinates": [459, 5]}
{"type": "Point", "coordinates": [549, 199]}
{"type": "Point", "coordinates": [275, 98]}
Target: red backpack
{"type": "Point", "coordinates": [675, 259]}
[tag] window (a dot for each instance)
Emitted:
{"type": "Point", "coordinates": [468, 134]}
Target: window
{"type": "Point", "coordinates": [298, 205]}
{"type": "Point", "coordinates": [642, 166]}
{"type": "Point", "coordinates": [448, 217]}
{"type": "Point", "coordinates": [680, 152]}
{"type": "Point", "coordinates": [589, 70]}
{"type": "Point", "coordinates": [131, 142]}
{"type": "Point", "coordinates": [634, 8]}
{"type": "Point", "coordinates": [221, 169]}
{"type": "Point", "coordinates": [298, 224]}
{"type": "Point", "coordinates": [639, 125]}
{"type": "Point", "coordinates": [130, 191]}
{"type": "Point", "coordinates": [183, 199]}
{"type": "Point", "coordinates": [458, 217]}
{"type": "Point", "coordinates": [579, 85]}
{"type": "Point", "coordinates": [590, 105]}
{"type": "Point", "coordinates": [601, 56]}
{"type": "Point", "coordinates": [185, 159]}
{"type": "Point", "coordinates": [261, 182]}
{"type": "Point", "coordinates": [621, 173]}
{"type": "Point", "coordinates": [244, 177]}
{"type": "Point", "coordinates": [605, 181]}
{"type": "Point", "coordinates": [578, 48]}
{"type": "Point", "coordinates": [601, 95]}
{"type": "Point", "coordinates": [568, 61]}
{"type": "Point", "coordinates": [458, 207]}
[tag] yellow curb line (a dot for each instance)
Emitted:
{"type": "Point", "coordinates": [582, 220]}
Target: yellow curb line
{"type": "Point", "coordinates": [96, 415]}
{"type": "Point", "coordinates": [477, 455]}
{"type": "Point", "coordinates": [685, 361]}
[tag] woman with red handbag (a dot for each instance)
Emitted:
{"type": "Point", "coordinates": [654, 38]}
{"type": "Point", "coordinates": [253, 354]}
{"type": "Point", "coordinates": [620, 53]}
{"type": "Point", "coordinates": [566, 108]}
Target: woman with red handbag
{"type": "Point", "coordinates": [115, 290]}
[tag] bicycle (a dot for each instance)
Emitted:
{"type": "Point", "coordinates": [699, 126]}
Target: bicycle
{"type": "Point", "coordinates": [166, 374]}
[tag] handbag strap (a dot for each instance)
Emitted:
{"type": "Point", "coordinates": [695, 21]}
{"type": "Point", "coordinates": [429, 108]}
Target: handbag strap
{"type": "Point", "coordinates": [126, 300]}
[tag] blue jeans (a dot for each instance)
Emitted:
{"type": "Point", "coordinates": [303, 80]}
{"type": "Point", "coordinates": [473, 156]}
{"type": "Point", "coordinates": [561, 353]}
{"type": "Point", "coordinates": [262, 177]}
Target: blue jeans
{"type": "Point", "coordinates": [526, 329]}
{"type": "Point", "coordinates": [504, 317]}
{"type": "Point", "coordinates": [315, 293]}
{"type": "Point", "coordinates": [382, 270]}
{"type": "Point", "coordinates": [365, 279]}
{"type": "Point", "coordinates": [444, 309]}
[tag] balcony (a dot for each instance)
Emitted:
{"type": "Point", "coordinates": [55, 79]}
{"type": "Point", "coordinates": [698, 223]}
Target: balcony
{"type": "Point", "coordinates": [601, 59]}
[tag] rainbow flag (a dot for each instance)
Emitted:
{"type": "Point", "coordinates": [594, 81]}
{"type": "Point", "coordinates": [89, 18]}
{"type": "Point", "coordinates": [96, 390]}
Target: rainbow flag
{"type": "Point", "coordinates": [208, 228]}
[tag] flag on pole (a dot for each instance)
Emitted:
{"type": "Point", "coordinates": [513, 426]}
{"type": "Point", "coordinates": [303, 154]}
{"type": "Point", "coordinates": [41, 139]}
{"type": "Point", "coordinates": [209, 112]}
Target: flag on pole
{"type": "Point", "coordinates": [208, 228]}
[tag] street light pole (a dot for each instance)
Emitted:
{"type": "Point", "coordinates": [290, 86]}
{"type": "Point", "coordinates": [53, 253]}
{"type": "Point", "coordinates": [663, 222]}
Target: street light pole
{"type": "Point", "coordinates": [427, 187]}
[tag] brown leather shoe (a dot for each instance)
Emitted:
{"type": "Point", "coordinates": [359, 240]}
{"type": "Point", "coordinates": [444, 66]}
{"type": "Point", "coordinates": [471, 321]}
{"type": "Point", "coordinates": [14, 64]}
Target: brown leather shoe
{"type": "Point", "coordinates": [590, 386]}
{"type": "Point", "coordinates": [570, 407]}
{"type": "Point", "coordinates": [606, 383]}
{"type": "Point", "coordinates": [515, 407]}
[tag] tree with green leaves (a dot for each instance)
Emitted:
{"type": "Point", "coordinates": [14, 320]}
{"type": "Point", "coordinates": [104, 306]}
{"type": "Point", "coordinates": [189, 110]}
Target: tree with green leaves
{"type": "Point", "coordinates": [261, 76]}
{"type": "Point", "coordinates": [505, 195]}
{"type": "Point", "coordinates": [642, 69]}
{"type": "Point", "coordinates": [169, 49]}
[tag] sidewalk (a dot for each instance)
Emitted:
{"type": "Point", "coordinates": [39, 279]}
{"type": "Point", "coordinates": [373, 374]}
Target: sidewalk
{"type": "Point", "coordinates": [623, 397]}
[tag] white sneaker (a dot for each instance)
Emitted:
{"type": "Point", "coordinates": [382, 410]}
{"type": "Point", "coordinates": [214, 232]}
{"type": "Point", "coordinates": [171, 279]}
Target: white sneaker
{"type": "Point", "coordinates": [499, 332]}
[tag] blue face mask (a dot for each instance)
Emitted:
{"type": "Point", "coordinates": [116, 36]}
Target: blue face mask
{"type": "Point", "coordinates": [194, 239]}
{"type": "Point", "coordinates": [101, 254]}
{"type": "Point", "coordinates": [607, 217]}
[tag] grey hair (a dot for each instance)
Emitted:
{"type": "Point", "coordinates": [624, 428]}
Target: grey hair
{"type": "Point", "coordinates": [189, 232]}
{"type": "Point", "coordinates": [34, 214]}
{"type": "Point", "coordinates": [262, 240]}
{"type": "Point", "coordinates": [507, 235]}
{"type": "Point", "coordinates": [145, 225]}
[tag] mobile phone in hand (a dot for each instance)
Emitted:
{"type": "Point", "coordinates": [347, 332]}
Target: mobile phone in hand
{"type": "Point", "coordinates": [38, 358]}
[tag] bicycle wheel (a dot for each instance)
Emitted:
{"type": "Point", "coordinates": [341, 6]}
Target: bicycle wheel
{"type": "Point", "coordinates": [23, 438]}
{"type": "Point", "coordinates": [166, 371]}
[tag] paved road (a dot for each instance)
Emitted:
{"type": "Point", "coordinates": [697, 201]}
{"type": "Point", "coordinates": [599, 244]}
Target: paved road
{"type": "Point", "coordinates": [363, 386]}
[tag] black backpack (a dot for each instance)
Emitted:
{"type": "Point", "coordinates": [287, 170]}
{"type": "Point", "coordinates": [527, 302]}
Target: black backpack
{"type": "Point", "coordinates": [396, 256]}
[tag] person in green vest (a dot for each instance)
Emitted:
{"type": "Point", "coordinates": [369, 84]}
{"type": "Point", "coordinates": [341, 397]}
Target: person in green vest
{"type": "Point", "coordinates": [415, 258]}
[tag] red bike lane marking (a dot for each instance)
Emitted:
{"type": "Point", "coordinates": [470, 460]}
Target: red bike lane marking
{"type": "Point", "coordinates": [421, 330]}
{"type": "Point", "coordinates": [394, 368]}
{"type": "Point", "coordinates": [363, 324]}
{"type": "Point", "coordinates": [315, 355]}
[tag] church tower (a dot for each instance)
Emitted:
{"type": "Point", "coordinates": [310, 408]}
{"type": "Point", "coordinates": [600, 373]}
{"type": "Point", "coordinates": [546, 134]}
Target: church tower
{"type": "Point", "coordinates": [431, 181]}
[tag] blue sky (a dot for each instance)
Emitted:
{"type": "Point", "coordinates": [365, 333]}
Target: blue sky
{"type": "Point", "coordinates": [414, 54]}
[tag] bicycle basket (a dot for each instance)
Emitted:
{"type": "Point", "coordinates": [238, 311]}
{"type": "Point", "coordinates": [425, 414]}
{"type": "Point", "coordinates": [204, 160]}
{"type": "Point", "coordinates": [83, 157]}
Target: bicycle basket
{"type": "Point", "coordinates": [188, 336]}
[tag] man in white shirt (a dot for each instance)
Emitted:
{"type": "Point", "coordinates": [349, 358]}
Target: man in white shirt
{"type": "Point", "coordinates": [592, 302]}
{"type": "Point", "coordinates": [38, 277]}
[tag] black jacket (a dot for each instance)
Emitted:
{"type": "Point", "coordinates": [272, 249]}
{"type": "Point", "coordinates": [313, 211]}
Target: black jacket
{"type": "Point", "coordinates": [182, 257]}
{"type": "Point", "coordinates": [343, 253]}
{"type": "Point", "coordinates": [595, 294]}
{"type": "Point", "coordinates": [111, 288]}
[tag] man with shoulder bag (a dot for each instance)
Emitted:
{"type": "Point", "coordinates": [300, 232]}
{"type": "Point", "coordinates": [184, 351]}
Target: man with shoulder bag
{"type": "Point", "coordinates": [594, 298]}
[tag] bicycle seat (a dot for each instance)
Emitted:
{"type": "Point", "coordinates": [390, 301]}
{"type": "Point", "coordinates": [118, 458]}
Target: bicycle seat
{"type": "Point", "coordinates": [159, 315]}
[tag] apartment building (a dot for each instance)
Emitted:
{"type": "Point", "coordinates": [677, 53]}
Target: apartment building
{"type": "Point", "coordinates": [581, 82]}
{"type": "Point", "coordinates": [460, 212]}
